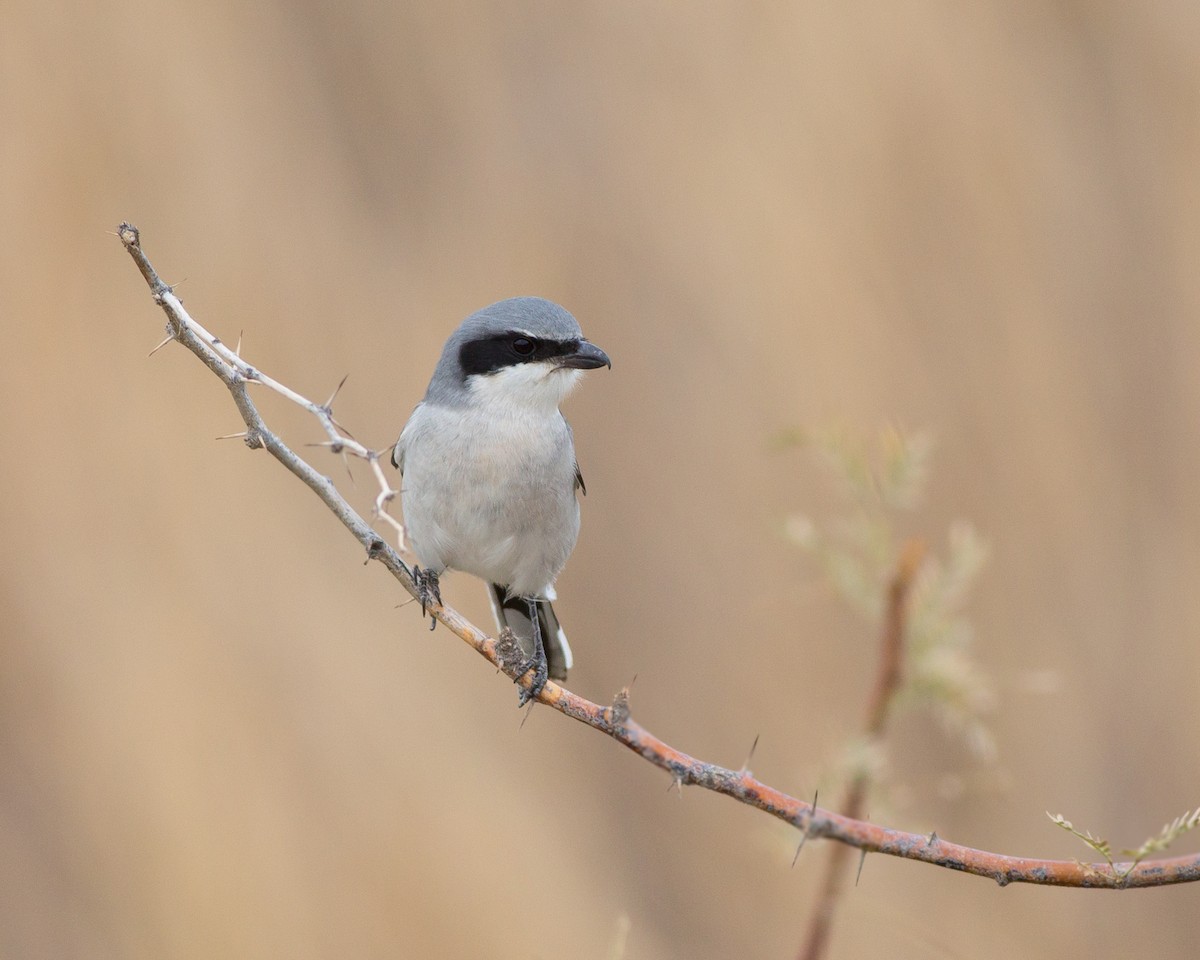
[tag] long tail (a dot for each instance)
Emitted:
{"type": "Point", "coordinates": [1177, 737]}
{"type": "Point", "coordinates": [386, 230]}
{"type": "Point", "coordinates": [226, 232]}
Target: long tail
{"type": "Point", "coordinates": [513, 612]}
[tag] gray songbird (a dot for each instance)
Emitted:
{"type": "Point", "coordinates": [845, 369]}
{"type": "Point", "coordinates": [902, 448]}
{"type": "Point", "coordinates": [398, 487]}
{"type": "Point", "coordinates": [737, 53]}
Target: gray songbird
{"type": "Point", "coordinates": [489, 469]}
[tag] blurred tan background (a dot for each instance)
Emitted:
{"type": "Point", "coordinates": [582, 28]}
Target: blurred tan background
{"type": "Point", "coordinates": [218, 735]}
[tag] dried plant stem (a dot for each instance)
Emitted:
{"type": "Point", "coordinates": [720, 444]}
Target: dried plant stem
{"type": "Point", "coordinates": [614, 720]}
{"type": "Point", "coordinates": [887, 683]}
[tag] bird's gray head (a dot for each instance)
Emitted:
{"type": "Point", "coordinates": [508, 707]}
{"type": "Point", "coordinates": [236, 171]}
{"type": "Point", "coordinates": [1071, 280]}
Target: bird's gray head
{"type": "Point", "coordinates": [521, 352]}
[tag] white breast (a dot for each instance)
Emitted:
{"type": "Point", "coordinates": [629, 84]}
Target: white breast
{"type": "Point", "coordinates": [489, 488]}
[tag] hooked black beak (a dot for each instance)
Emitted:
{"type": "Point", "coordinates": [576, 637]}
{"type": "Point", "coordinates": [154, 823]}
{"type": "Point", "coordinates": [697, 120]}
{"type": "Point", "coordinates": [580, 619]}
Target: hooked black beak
{"type": "Point", "coordinates": [587, 356]}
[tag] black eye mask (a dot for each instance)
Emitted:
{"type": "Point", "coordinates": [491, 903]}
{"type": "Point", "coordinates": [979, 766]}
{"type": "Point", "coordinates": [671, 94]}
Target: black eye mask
{"type": "Point", "coordinates": [490, 354]}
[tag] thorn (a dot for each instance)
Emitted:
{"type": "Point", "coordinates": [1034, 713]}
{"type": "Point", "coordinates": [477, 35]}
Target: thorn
{"type": "Point", "coordinates": [346, 461]}
{"type": "Point", "coordinates": [750, 755]}
{"type": "Point", "coordinates": [676, 784]}
{"type": "Point", "coordinates": [527, 714]}
{"type": "Point", "coordinates": [235, 436]}
{"type": "Point", "coordinates": [804, 839]}
{"type": "Point", "coordinates": [401, 606]}
{"type": "Point", "coordinates": [933, 838]}
{"type": "Point", "coordinates": [237, 351]}
{"type": "Point", "coordinates": [329, 402]}
{"type": "Point", "coordinates": [348, 434]}
{"type": "Point", "coordinates": [861, 860]}
{"type": "Point", "coordinates": [169, 338]}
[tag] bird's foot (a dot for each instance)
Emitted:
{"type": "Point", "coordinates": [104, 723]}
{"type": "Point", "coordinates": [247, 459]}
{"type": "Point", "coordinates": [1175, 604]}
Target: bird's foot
{"type": "Point", "coordinates": [541, 674]}
{"type": "Point", "coordinates": [429, 591]}
{"type": "Point", "coordinates": [516, 665]}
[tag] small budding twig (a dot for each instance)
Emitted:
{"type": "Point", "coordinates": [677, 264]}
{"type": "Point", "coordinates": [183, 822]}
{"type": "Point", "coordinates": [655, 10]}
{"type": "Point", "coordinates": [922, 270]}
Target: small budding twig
{"type": "Point", "coordinates": [616, 720]}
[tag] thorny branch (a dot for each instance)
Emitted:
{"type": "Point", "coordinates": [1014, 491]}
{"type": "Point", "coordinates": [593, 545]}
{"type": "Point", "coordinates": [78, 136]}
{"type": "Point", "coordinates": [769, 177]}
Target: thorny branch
{"type": "Point", "coordinates": [615, 720]}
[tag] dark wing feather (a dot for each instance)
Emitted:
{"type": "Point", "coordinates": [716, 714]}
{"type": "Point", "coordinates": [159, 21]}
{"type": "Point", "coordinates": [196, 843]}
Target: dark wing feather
{"type": "Point", "coordinates": [579, 484]}
{"type": "Point", "coordinates": [398, 446]}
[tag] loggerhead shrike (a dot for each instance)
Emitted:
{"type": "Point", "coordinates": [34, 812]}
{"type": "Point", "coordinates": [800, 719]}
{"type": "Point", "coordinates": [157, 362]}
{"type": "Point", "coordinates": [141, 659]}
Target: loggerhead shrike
{"type": "Point", "coordinates": [489, 471]}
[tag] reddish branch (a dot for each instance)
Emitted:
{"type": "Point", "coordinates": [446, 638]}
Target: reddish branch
{"type": "Point", "coordinates": [615, 720]}
{"type": "Point", "coordinates": [887, 683]}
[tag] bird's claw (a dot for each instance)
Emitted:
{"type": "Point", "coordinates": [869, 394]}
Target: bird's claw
{"type": "Point", "coordinates": [429, 591]}
{"type": "Point", "coordinates": [517, 666]}
{"type": "Point", "coordinates": [540, 676]}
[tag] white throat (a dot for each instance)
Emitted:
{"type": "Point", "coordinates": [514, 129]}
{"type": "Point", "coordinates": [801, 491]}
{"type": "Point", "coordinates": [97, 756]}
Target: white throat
{"type": "Point", "coordinates": [530, 387]}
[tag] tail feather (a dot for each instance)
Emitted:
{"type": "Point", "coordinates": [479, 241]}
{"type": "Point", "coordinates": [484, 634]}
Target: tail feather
{"type": "Point", "coordinates": [558, 651]}
{"type": "Point", "coordinates": [513, 612]}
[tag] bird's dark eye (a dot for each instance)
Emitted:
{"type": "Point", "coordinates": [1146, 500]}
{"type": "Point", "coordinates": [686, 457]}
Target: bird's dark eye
{"type": "Point", "coordinates": [523, 345]}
